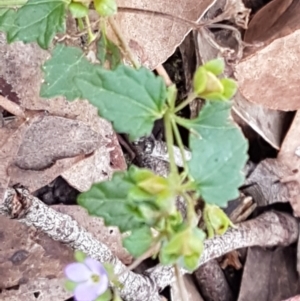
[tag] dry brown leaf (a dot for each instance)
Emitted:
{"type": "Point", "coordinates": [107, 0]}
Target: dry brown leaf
{"type": "Point", "coordinates": [268, 76]}
{"type": "Point", "coordinates": [154, 38]}
{"type": "Point", "coordinates": [46, 147]}
{"type": "Point", "coordinates": [266, 22]}
{"type": "Point", "coordinates": [231, 259]}
{"type": "Point", "coordinates": [101, 165]}
{"type": "Point", "coordinates": [264, 184]}
{"type": "Point", "coordinates": [30, 256]}
{"type": "Point", "coordinates": [9, 150]}
{"type": "Point", "coordinates": [41, 289]}
{"type": "Point", "coordinates": [35, 255]}
{"type": "Point", "coordinates": [267, 123]}
{"type": "Point", "coordinates": [234, 10]}
{"type": "Point", "coordinates": [269, 275]}
{"type": "Point", "coordinates": [35, 179]}
{"type": "Point", "coordinates": [289, 156]}
{"type": "Point", "coordinates": [54, 138]}
{"type": "Point", "coordinates": [20, 70]}
{"type": "Point", "coordinates": [295, 298]}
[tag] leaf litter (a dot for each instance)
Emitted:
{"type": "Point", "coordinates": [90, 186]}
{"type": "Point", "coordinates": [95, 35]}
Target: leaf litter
{"type": "Point", "coordinates": [253, 74]}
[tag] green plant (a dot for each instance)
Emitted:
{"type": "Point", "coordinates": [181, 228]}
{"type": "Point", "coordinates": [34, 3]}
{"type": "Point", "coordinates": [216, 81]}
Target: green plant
{"type": "Point", "coordinates": [133, 99]}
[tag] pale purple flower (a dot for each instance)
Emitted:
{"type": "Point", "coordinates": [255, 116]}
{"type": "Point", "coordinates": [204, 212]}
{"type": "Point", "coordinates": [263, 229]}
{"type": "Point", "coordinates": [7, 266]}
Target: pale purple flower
{"type": "Point", "coordinates": [91, 278]}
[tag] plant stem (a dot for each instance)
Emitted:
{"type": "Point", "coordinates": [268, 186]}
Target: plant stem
{"type": "Point", "coordinates": [89, 29]}
{"type": "Point", "coordinates": [183, 122]}
{"type": "Point", "coordinates": [170, 142]}
{"type": "Point", "coordinates": [144, 256]}
{"type": "Point", "coordinates": [189, 99]}
{"type": "Point", "coordinates": [191, 216]}
{"type": "Point", "coordinates": [180, 144]}
{"type": "Point", "coordinates": [123, 43]}
{"type": "Point", "coordinates": [180, 283]}
{"type": "Point", "coordinates": [80, 24]}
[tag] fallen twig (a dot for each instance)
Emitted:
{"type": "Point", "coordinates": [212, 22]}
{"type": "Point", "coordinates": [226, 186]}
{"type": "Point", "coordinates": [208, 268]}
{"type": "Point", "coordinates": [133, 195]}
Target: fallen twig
{"type": "Point", "coordinates": [269, 229]}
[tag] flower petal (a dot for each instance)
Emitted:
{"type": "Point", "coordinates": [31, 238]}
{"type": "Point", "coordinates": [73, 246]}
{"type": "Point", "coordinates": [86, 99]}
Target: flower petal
{"type": "Point", "coordinates": [95, 266]}
{"type": "Point", "coordinates": [77, 272]}
{"type": "Point", "coordinates": [86, 291]}
{"type": "Point", "coordinates": [102, 285]}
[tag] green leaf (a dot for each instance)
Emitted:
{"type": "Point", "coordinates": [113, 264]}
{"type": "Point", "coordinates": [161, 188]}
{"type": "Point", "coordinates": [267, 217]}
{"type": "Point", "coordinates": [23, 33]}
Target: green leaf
{"type": "Point", "coordinates": [138, 242]}
{"type": "Point", "coordinates": [215, 66]}
{"type": "Point", "coordinates": [105, 8]}
{"type": "Point", "coordinates": [131, 99]}
{"type": "Point", "coordinates": [199, 80]}
{"type": "Point", "coordinates": [60, 70]}
{"type": "Point", "coordinates": [79, 256]}
{"type": "Point", "coordinates": [159, 190]}
{"type": "Point", "coordinates": [106, 296]}
{"type": "Point", "coordinates": [108, 51]}
{"type": "Point", "coordinates": [230, 87]}
{"type": "Point", "coordinates": [219, 152]}
{"type": "Point", "coordinates": [36, 21]}
{"type": "Point", "coordinates": [78, 10]}
{"type": "Point", "coordinates": [109, 200]}
{"type": "Point", "coordinates": [70, 285]}
{"type": "Point", "coordinates": [7, 19]}
{"type": "Point", "coordinates": [214, 96]}
{"type": "Point", "coordinates": [184, 247]}
{"type": "Point", "coordinates": [216, 220]}
{"type": "Point", "coordinates": [116, 298]}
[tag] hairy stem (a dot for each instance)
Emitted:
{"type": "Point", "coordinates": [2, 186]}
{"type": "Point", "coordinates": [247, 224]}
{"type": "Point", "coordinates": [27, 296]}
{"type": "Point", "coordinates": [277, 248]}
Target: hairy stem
{"type": "Point", "coordinates": [189, 99]}
{"type": "Point", "coordinates": [180, 144]}
{"type": "Point", "coordinates": [170, 142]}
{"type": "Point", "coordinates": [144, 256]}
{"type": "Point", "coordinates": [191, 215]}
{"type": "Point", "coordinates": [89, 29]}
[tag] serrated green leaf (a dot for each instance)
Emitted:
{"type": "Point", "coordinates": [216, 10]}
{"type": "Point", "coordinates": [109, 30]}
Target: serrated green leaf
{"type": "Point", "coordinates": [108, 51]}
{"type": "Point", "coordinates": [131, 99]}
{"type": "Point", "coordinates": [60, 70]}
{"type": "Point", "coordinates": [109, 200]}
{"type": "Point", "coordinates": [219, 152]}
{"type": "Point", "coordinates": [138, 242]}
{"type": "Point", "coordinates": [36, 21]}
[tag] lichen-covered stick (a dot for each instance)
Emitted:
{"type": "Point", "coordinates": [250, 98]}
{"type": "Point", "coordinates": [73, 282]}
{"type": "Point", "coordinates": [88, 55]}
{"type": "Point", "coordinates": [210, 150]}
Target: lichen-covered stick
{"type": "Point", "coordinates": [18, 203]}
{"type": "Point", "coordinates": [269, 229]}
